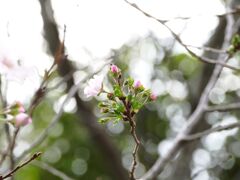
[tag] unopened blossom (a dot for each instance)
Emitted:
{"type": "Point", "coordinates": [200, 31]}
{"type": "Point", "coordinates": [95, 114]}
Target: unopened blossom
{"type": "Point", "coordinates": [153, 96]}
{"type": "Point", "coordinates": [94, 86]}
{"type": "Point", "coordinates": [137, 84]}
{"type": "Point", "coordinates": [114, 69]}
{"type": "Point", "coordinates": [22, 119]}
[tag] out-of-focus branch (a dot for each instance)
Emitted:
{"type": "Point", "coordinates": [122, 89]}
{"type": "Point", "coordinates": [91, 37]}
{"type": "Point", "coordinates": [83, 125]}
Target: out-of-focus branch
{"type": "Point", "coordinates": [209, 131]}
{"type": "Point", "coordinates": [210, 49]}
{"type": "Point", "coordinates": [85, 114]}
{"type": "Point", "coordinates": [195, 117]}
{"type": "Point", "coordinates": [223, 15]}
{"type": "Point", "coordinates": [182, 163]}
{"type": "Point", "coordinates": [56, 118]}
{"type": "Point", "coordinates": [223, 108]}
{"type": "Point", "coordinates": [179, 40]}
{"type": "Point", "coordinates": [10, 174]}
{"type": "Point", "coordinates": [11, 148]}
{"type": "Point", "coordinates": [51, 170]}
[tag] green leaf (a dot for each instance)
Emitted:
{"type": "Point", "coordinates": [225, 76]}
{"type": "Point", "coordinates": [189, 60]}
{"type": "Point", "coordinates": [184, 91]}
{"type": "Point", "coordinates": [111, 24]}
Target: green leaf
{"type": "Point", "coordinates": [116, 120]}
{"type": "Point", "coordinates": [129, 82]}
{"type": "Point", "coordinates": [117, 91]}
{"type": "Point", "coordinates": [129, 97]}
{"type": "Point", "coordinates": [104, 120]}
{"type": "Point", "coordinates": [120, 107]}
{"type": "Point", "coordinates": [136, 105]}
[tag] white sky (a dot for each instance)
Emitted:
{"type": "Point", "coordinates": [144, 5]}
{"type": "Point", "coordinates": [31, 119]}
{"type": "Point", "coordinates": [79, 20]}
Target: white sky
{"type": "Point", "coordinates": [98, 26]}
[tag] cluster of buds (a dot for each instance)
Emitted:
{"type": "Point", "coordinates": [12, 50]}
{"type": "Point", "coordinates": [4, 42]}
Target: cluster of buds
{"type": "Point", "coordinates": [17, 114]}
{"type": "Point", "coordinates": [125, 100]}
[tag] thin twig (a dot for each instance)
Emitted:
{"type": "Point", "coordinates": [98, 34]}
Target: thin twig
{"type": "Point", "coordinates": [63, 80]}
{"type": "Point", "coordinates": [43, 135]}
{"type": "Point", "coordinates": [10, 174]}
{"type": "Point", "coordinates": [203, 59]}
{"type": "Point", "coordinates": [4, 155]}
{"type": "Point", "coordinates": [135, 150]}
{"type": "Point", "coordinates": [208, 49]}
{"type": "Point", "coordinates": [51, 170]}
{"type": "Point", "coordinates": [12, 146]}
{"type": "Point", "coordinates": [56, 118]}
{"type": "Point", "coordinates": [223, 108]}
{"type": "Point", "coordinates": [209, 131]}
{"type": "Point", "coordinates": [233, 12]}
{"type": "Point", "coordinates": [132, 123]}
{"type": "Point", "coordinates": [6, 126]}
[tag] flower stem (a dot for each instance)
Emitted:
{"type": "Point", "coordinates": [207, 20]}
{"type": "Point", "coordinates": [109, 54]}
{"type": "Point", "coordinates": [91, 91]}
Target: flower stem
{"type": "Point", "coordinates": [135, 150]}
{"type": "Point", "coordinates": [134, 135]}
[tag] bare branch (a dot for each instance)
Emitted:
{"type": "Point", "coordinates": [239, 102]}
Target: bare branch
{"type": "Point", "coordinates": [203, 59]}
{"type": "Point", "coordinates": [195, 117]}
{"type": "Point", "coordinates": [56, 118]}
{"type": "Point", "coordinates": [229, 12]}
{"type": "Point", "coordinates": [52, 170]}
{"type": "Point", "coordinates": [10, 174]}
{"type": "Point", "coordinates": [209, 131]}
{"type": "Point", "coordinates": [223, 108]}
{"type": "Point", "coordinates": [210, 49]}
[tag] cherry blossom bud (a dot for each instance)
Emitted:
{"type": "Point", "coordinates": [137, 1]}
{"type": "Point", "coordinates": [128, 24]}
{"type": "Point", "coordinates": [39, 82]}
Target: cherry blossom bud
{"type": "Point", "coordinates": [153, 97]}
{"type": "Point", "coordinates": [114, 69]}
{"type": "Point", "coordinates": [137, 84]}
{"type": "Point", "coordinates": [94, 86]}
{"type": "Point", "coordinates": [22, 119]}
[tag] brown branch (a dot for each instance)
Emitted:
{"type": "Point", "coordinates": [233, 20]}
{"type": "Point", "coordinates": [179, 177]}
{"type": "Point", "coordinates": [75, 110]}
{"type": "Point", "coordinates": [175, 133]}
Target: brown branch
{"type": "Point", "coordinates": [130, 119]}
{"type": "Point", "coordinates": [135, 150]}
{"type": "Point", "coordinates": [200, 58]}
{"type": "Point", "coordinates": [10, 174]}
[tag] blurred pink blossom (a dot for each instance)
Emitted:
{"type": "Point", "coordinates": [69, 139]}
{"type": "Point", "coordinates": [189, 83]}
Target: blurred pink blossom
{"type": "Point", "coordinates": [10, 66]}
{"type": "Point", "coordinates": [22, 119]}
{"type": "Point", "coordinates": [153, 97]}
{"type": "Point", "coordinates": [137, 84]}
{"type": "Point", "coordinates": [94, 86]}
{"type": "Point", "coordinates": [114, 69]}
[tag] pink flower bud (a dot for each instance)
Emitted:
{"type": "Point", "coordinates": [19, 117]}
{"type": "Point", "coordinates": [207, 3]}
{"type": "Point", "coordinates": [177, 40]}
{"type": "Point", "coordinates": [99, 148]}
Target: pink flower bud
{"type": "Point", "coordinates": [137, 84]}
{"type": "Point", "coordinates": [114, 69]}
{"type": "Point", "coordinates": [22, 119]}
{"type": "Point", "coordinates": [153, 97]}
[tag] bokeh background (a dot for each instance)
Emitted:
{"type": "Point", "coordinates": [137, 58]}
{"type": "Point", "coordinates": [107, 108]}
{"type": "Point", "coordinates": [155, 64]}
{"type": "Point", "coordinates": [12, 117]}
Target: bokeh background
{"type": "Point", "coordinates": [96, 30]}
